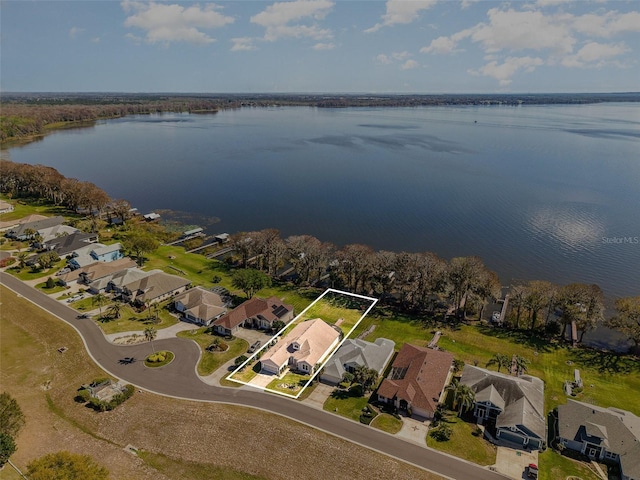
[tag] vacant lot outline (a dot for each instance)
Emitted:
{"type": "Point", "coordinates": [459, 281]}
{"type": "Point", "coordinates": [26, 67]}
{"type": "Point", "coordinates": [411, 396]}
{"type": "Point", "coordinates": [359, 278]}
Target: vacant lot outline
{"type": "Point", "coordinates": [301, 317]}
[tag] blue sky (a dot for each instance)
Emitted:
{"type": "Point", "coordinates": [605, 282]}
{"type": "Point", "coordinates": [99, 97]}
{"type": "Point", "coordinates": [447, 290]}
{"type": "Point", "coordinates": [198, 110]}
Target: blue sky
{"type": "Point", "coordinates": [396, 46]}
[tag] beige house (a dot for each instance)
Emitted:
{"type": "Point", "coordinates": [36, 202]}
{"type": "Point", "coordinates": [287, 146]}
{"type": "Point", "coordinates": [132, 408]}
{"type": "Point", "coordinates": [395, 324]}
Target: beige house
{"type": "Point", "coordinates": [200, 306]}
{"type": "Point", "coordinates": [254, 313]}
{"type": "Point", "coordinates": [154, 288]}
{"type": "Point", "coordinates": [302, 349]}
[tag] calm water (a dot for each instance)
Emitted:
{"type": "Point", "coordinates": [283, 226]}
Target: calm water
{"type": "Point", "coordinates": [539, 192]}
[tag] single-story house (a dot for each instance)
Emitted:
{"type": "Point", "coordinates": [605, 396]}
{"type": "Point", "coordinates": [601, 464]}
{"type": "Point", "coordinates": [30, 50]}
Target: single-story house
{"type": "Point", "coordinates": [98, 275]}
{"type": "Point", "coordinates": [602, 434]}
{"type": "Point", "coordinates": [18, 232]}
{"type": "Point", "coordinates": [357, 353]}
{"type": "Point", "coordinates": [417, 381]}
{"type": "Point", "coordinates": [120, 279]}
{"type": "Point", "coordinates": [201, 306]}
{"type": "Point", "coordinates": [12, 224]}
{"type": "Point", "coordinates": [67, 244]}
{"type": "Point", "coordinates": [254, 313]}
{"type": "Point", "coordinates": [511, 407]}
{"type": "Point", "coordinates": [56, 231]}
{"type": "Point", "coordinates": [154, 288]}
{"type": "Point", "coordinates": [302, 349]}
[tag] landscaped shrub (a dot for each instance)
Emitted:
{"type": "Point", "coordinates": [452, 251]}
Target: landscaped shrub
{"type": "Point", "coordinates": [83, 396]}
{"type": "Point", "coordinates": [157, 357]}
{"type": "Point", "coordinates": [7, 261]}
{"type": "Point", "coordinates": [240, 360]}
{"type": "Point", "coordinates": [50, 283]}
{"type": "Point", "coordinates": [442, 433]}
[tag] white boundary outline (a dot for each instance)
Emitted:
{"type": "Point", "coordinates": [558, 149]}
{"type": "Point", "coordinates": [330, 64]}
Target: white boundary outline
{"type": "Point", "coordinates": [317, 370]}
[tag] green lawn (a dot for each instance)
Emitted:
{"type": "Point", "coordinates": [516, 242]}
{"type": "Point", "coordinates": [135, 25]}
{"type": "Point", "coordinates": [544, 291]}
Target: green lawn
{"type": "Point", "coordinates": [463, 444]}
{"type": "Point", "coordinates": [55, 289]}
{"type": "Point", "coordinates": [211, 361]}
{"type": "Point", "coordinates": [387, 423]}
{"type": "Point", "coordinates": [26, 206]}
{"type": "Point", "coordinates": [554, 466]}
{"type": "Point", "coordinates": [343, 403]}
{"type": "Point", "coordinates": [25, 274]}
{"type": "Point", "coordinates": [130, 320]}
{"type": "Point", "coordinates": [290, 384]}
{"type": "Point", "coordinates": [248, 373]}
{"type": "Point", "coordinates": [335, 306]}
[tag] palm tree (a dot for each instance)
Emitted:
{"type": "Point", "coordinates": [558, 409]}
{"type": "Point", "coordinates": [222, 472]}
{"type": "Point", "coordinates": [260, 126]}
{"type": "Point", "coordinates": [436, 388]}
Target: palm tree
{"type": "Point", "coordinates": [150, 334]}
{"type": "Point", "coordinates": [99, 299]}
{"type": "Point", "coordinates": [521, 364]}
{"type": "Point", "coordinates": [114, 310]}
{"type": "Point", "coordinates": [463, 396]}
{"type": "Point", "coordinates": [499, 360]}
{"type": "Point", "coordinates": [22, 259]}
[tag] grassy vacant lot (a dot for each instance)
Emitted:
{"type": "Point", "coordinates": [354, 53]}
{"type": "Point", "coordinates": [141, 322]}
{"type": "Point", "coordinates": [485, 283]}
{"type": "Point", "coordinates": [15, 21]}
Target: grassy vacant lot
{"type": "Point", "coordinates": [211, 361]}
{"type": "Point", "coordinates": [175, 437]}
{"type": "Point", "coordinates": [26, 273]}
{"type": "Point", "coordinates": [463, 444]}
{"type": "Point", "coordinates": [24, 207]}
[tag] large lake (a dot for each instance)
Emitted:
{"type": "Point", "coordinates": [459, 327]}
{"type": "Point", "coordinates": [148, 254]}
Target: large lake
{"type": "Point", "coordinates": [539, 192]}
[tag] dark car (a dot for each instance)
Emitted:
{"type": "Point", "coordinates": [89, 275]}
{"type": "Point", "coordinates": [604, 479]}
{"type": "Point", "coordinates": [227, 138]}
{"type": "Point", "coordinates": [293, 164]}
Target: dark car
{"type": "Point", "coordinates": [83, 315]}
{"type": "Point", "coordinates": [532, 471]}
{"type": "Point", "coordinates": [255, 346]}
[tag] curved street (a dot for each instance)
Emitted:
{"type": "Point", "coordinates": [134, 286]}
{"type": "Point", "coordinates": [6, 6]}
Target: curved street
{"type": "Point", "coordinates": [179, 379]}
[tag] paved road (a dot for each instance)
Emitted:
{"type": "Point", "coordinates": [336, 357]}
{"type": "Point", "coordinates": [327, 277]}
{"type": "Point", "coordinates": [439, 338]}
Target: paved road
{"type": "Point", "coordinates": [179, 379]}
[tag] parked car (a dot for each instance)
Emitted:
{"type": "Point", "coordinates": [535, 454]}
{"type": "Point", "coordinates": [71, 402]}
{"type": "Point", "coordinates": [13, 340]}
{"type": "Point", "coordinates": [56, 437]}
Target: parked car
{"type": "Point", "coordinates": [532, 470]}
{"type": "Point", "coordinates": [83, 315]}
{"type": "Point", "coordinates": [254, 346]}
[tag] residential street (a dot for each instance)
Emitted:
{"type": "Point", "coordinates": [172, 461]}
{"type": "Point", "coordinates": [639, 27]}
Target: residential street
{"type": "Point", "coordinates": [179, 379]}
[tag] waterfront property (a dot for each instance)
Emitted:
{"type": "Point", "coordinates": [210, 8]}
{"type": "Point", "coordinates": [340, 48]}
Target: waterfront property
{"type": "Point", "coordinates": [98, 275]}
{"type": "Point", "coordinates": [417, 381]}
{"type": "Point", "coordinates": [201, 306]}
{"type": "Point", "coordinates": [154, 288]}
{"type": "Point", "coordinates": [65, 245]}
{"type": "Point", "coordinates": [27, 230]}
{"type": "Point", "coordinates": [357, 353]}
{"type": "Point", "coordinates": [96, 252]}
{"type": "Point", "coordinates": [511, 408]}
{"type": "Point", "coordinates": [602, 434]}
{"type": "Point", "coordinates": [5, 207]}
{"type": "Point", "coordinates": [302, 349]}
{"type": "Point", "coordinates": [254, 313]}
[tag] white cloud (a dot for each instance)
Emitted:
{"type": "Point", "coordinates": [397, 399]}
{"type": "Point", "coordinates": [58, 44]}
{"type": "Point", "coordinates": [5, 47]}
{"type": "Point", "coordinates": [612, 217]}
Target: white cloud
{"type": "Point", "coordinates": [382, 59]}
{"type": "Point", "coordinates": [551, 3]}
{"type": "Point", "coordinates": [410, 65]}
{"type": "Point", "coordinates": [467, 3]}
{"type": "Point", "coordinates": [595, 54]}
{"type": "Point", "coordinates": [277, 19]}
{"type": "Point", "coordinates": [134, 38]}
{"type": "Point", "coordinates": [400, 55]}
{"type": "Point", "coordinates": [75, 31]}
{"type": "Point", "coordinates": [242, 44]}
{"type": "Point", "coordinates": [514, 30]}
{"type": "Point", "coordinates": [324, 46]}
{"type": "Point", "coordinates": [95, 40]}
{"type": "Point", "coordinates": [608, 24]}
{"type": "Point", "coordinates": [401, 12]}
{"type": "Point", "coordinates": [504, 71]}
{"type": "Point", "coordinates": [166, 23]}
{"type": "Point", "coordinates": [442, 45]}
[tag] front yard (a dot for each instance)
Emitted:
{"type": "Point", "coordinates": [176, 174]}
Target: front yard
{"type": "Point", "coordinates": [290, 384]}
{"type": "Point", "coordinates": [130, 320]}
{"type": "Point", "coordinates": [344, 403]}
{"type": "Point", "coordinates": [463, 443]}
{"type": "Point", "coordinates": [387, 423]}
{"type": "Point", "coordinates": [211, 361]}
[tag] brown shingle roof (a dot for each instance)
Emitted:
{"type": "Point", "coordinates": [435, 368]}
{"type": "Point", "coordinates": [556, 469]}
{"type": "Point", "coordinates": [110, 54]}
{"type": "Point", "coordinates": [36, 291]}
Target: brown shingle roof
{"type": "Point", "coordinates": [418, 375]}
{"type": "Point", "coordinates": [252, 308]}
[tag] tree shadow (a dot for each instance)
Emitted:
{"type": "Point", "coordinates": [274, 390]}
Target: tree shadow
{"type": "Point", "coordinates": [605, 361]}
{"type": "Point", "coordinates": [521, 337]}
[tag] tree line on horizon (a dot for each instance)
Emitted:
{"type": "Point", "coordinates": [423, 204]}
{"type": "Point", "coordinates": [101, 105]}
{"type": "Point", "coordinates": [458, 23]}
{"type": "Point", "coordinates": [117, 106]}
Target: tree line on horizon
{"type": "Point", "coordinates": [415, 282]}
{"type": "Point", "coordinates": [26, 115]}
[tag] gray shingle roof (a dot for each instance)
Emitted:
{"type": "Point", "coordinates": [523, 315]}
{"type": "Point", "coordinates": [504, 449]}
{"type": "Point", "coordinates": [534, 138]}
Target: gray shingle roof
{"type": "Point", "coordinates": [358, 353]}
{"type": "Point", "coordinates": [523, 397]}
{"type": "Point", "coordinates": [621, 430]}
